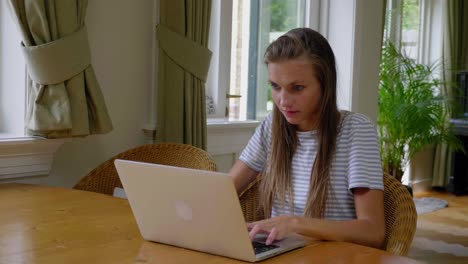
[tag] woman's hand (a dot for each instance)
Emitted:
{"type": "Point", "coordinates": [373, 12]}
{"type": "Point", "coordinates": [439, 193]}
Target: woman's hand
{"type": "Point", "coordinates": [277, 228]}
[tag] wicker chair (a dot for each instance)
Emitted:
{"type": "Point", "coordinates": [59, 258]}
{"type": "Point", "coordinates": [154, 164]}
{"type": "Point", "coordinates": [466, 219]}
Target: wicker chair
{"type": "Point", "coordinates": [400, 217]}
{"type": "Point", "coordinates": [400, 213]}
{"type": "Point", "coordinates": [104, 178]}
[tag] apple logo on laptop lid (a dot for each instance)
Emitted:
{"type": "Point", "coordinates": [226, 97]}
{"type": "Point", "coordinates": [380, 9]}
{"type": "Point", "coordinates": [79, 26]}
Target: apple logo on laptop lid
{"type": "Point", "coordinates": [183, 210]}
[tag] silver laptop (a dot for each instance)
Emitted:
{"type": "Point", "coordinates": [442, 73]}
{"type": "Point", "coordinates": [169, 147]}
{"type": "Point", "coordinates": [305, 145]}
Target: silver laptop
{"type": "Point", "coordinates": [193, 209]}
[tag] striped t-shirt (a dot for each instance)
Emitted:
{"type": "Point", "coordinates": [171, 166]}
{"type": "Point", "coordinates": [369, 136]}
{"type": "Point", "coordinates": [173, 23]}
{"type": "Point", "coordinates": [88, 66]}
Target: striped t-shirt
{"type": "Point", "coordinates": [356, 164]}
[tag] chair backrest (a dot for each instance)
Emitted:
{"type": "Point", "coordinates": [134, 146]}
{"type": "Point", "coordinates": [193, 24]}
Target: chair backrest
{"type": "Point", "coordinates": [400, 217]}
{"type": "Point", "coordinates": [249, 200]}
{"type": "Point", "coordinates": [104, 178]}
{"type": "Point", "coordinates": [400, 213]}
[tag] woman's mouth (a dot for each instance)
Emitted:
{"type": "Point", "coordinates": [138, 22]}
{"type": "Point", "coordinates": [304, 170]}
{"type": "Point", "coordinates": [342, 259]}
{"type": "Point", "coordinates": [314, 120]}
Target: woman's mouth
{"type": "Point", "coordinates": [290, 113]}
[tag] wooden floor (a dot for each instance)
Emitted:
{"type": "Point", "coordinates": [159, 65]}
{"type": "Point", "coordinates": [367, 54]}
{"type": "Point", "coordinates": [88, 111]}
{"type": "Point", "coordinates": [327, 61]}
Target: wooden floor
{"type": "Point", "coordinates": [442, 236]}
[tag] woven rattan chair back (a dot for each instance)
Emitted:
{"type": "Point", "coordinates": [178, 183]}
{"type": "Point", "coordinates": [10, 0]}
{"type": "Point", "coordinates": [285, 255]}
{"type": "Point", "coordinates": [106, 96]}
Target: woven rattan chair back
{"type": "Point", "coordinates": [400, 213]}
{"type": "Point", "coordinates": [104, 178]}
{"type": "Point", "coordinates": [249, 200]}
{"type": "Point", "coordinates": [400, 217]}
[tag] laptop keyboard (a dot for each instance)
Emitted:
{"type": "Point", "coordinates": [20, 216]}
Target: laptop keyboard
{"type": "Point", "coordinates": [261, 247]}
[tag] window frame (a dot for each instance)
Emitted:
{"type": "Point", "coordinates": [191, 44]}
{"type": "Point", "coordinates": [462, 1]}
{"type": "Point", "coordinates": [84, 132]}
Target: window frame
{"type": "Point", "coordinates": [220, 37]}
{"type": "Point", "coordinates": [430, 30]}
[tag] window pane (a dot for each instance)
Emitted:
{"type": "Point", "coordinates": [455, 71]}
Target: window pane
{"type": "Point", "coordinates": [256, 24]}
{"type": "Point", "coordinates": [410, 28]}
{"type": "Point", "coordinates": [12, 77]}
{"type": "Point", "coordinates": [402, 25]}
{"type": "Point", "coordinates": [239, 60]}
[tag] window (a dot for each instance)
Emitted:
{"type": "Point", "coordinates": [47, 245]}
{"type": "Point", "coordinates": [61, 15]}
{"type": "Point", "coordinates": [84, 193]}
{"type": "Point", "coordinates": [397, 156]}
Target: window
{"type": "Point", "coordinates": [241, 30]}
{"type": "Point", "coordinates": [20, 155]}
{"type": "Point", "coordinates": [410, 27]}
{"type": "Point", "coordinates": [12, 78]}
{"type": "Point", "coordinates": [417, 27]}
{"type": "Point", "coordinates": [349, 26]}
{"type": "Point", "coordinates": [402, 25]}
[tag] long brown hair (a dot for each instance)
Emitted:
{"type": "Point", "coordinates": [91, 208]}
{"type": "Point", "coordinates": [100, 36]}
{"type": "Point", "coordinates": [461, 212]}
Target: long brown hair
{"type": "Point", "coordinates": [277, 180]}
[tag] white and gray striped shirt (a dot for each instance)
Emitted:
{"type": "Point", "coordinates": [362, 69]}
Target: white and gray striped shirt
{"type": "Point", "coordinates": [356, 164]}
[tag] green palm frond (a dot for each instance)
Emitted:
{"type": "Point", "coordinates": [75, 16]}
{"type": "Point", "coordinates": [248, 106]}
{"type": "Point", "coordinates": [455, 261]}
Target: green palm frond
{"type": "Point", "coordinates": [413, 113]}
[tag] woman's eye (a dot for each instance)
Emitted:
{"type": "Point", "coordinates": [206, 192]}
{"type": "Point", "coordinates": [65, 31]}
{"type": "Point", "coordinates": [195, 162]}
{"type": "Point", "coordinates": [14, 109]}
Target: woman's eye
{"type": "Point", "coordinates": [274, 86]}
{"type": "Point", "coordinates": [298, 87]}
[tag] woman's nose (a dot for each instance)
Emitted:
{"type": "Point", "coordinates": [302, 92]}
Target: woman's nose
{"type": "Point", "coordinates": [285, 99]}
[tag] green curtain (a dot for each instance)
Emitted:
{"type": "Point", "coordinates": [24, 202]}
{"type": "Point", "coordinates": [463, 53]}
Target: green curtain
{"type": "Point", "coordinates": [63, 95]}
{"type": "Point", "coordinates": [455, 58]}
{"type": "Point", "coordinates": [182, 71]}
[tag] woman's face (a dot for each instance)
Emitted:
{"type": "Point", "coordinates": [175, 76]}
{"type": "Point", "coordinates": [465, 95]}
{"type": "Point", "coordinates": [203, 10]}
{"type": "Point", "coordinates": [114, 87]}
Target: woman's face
{"type": "Point", "coordinates": [296, 92]}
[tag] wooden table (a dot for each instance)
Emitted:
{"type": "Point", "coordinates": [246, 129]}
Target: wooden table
{"type": "Point", "coordinates": [41, 224]}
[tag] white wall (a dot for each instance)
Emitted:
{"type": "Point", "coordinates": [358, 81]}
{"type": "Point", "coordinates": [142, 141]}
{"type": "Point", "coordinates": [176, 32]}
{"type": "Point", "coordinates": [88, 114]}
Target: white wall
{"type": "Point", "coordinates": [339, 33]}
{"type": "Point", "coordinates": [121, 39]}
{"type": "Point", "coordinates": [368, 20]}
{"type": "Point", "coordinates": [354, 30]}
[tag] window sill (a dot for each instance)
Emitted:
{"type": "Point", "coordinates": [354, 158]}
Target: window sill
{"type": "Point", "coordinates": [214, 124]}
{"type": "Point", "coordinates": [27, 156]}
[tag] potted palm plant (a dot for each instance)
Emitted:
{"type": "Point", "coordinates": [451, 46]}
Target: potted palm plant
{"type": "Point", "coordinates": [412, 110]}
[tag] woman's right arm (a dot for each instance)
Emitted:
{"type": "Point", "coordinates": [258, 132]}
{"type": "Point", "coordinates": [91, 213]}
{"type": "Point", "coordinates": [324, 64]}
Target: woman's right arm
{"type": "Point", "coordinates": [242, 175]}
{"type": "Point", "coordinates": [254, 154]}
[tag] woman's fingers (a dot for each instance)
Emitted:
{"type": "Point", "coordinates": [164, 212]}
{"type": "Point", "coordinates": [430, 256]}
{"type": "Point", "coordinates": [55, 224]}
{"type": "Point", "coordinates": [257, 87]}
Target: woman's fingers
{"type": "Point", "coordinates": [250, 225]}
{"type": "Point", "coordinates": [276, 228]}
{"type": "Point", "coordinates": [257, 228]}
{"type": "Point", "coordinates": [253, 231]}
{"type": "Point", "coordinates": [272, 236]}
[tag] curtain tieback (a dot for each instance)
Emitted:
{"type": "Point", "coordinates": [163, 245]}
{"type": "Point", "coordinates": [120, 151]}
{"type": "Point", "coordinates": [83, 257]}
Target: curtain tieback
{"type": "Point", "coordinates": [186, 53]}
{"type": "Point", "coordinates": [59, 60]}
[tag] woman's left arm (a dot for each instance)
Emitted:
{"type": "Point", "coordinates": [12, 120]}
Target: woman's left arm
{"type": "Point", "coordinates": [368, 229]}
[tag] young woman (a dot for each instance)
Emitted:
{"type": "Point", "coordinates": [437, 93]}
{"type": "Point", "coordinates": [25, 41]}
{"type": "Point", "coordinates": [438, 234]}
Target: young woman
{"type": "Point", "coordinates": [322, 175]}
